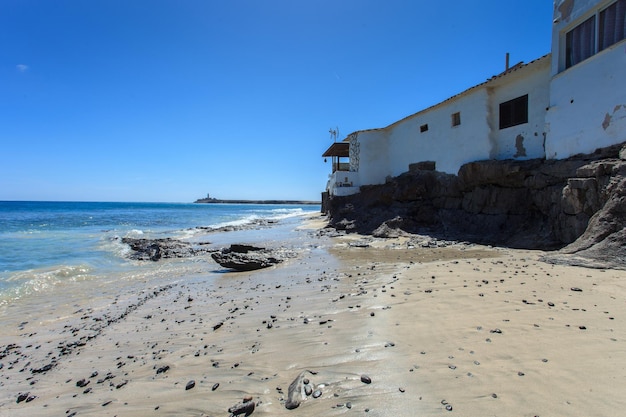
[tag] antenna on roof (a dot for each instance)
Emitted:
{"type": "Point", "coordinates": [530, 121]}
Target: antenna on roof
{"type": "Point", "coordinates": [333, 134]}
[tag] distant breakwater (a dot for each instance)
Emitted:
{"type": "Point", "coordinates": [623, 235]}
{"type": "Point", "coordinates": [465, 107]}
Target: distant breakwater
{"type": "Point", "coordinates": [276, 202]}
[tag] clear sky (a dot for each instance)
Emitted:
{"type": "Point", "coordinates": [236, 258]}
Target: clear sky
{"type": "Point", "coordinates": [168, 100]}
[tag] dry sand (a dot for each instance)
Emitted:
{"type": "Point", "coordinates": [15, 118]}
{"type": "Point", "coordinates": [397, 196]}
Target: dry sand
{"type": "Point", "coordinates": [461, 330]}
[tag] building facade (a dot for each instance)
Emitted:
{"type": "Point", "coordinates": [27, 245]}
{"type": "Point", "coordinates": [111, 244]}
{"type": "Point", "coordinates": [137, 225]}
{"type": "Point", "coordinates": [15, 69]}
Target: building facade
{"type": "Point", "coordinates": [588, 77]}
{"type": "Point", "coordinates": [567, 102]}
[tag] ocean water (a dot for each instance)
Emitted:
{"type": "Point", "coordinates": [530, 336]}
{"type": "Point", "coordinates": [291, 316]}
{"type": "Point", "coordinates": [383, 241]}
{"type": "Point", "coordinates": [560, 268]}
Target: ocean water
{"type": "Point", "coordinates": [53, 246]}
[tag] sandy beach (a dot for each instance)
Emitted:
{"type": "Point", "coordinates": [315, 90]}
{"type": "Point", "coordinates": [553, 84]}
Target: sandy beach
{"type": "Point", "coordinates": [378, 327]}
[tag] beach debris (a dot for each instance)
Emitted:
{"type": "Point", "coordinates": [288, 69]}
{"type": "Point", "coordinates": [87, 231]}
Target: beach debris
{"type": "Point", "coordinates": [245, 407]}
{"type": "Point", "coordinates": [300, 389]}
{"type": "Point", "coordinates": [215, 386]}
{"type": "Point", "coordinates": [246, 257]}
{"type": "Point", "coordinates": [190, 385]}
{"type": "Point", "coordinates": [366, 379]}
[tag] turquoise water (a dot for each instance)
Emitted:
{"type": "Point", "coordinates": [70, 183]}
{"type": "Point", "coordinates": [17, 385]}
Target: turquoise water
{"type": "Point", "coordinates": [43, 244]}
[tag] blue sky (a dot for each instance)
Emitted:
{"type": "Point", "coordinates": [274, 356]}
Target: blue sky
{"type": "Point", "coordinates": [168, 100]}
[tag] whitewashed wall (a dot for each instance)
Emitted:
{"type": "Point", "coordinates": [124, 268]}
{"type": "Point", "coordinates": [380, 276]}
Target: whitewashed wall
{"type": "Point", "coordinates": [587, 100]}
{"type": "Point", "coordinates": [373, 154]}
{"type": "Point", "coordinates": [448, 146]}
{"type": "Point", "coordinates": [523, 141]}
{"type": "Point", "coordinates": [588, 105]}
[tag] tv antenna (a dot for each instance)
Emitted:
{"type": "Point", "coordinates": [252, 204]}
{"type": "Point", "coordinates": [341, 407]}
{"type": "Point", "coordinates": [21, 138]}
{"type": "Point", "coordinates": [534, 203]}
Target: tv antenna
{"type": "Point", "coordinates": [334, 133]}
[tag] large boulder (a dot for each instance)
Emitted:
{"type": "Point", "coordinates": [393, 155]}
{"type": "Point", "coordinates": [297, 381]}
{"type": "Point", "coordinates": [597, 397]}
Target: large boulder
{"type": "Point", "coordinates": [246, 257]}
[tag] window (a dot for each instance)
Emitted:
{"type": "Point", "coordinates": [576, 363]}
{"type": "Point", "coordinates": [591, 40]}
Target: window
{"type": "Point", "coordinates": [580, 42]}
{"type": "Point", "coordinates": [612, 24]}
{"type": "Point", "coordinates": [595, 34]}
{"type": "Point", "coordinates": [456, 119]}
{"type": "Point", "coordinates": [424, 128]}
{"type": "Point", "coordinates": [514, 112]}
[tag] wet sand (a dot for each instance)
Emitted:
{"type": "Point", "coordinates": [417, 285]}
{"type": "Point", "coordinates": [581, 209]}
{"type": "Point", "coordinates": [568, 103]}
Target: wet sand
{"type": "Point", "coordinates": [387, 329]}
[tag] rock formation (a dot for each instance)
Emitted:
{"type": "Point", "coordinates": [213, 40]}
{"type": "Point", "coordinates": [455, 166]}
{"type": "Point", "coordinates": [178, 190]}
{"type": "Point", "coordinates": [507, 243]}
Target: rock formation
{"type": "Point", "coordinates": [577, 205]}
{"type": "Point", "coordinates": [247, 258]}
{"type": "Point", "coordinates": [155, 249]}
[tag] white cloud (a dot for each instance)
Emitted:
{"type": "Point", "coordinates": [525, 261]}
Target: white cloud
{"type": "Point", "coordinates": [21, 67]}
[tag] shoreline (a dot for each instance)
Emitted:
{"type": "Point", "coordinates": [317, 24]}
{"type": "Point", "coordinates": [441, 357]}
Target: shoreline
{"type": "Point", "coordinates": [483, 330]}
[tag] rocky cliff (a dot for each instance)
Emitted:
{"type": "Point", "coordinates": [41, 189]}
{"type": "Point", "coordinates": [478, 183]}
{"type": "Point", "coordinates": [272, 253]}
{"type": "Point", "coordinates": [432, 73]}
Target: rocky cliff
{"type": "Point", "coordinates": [576, 205]}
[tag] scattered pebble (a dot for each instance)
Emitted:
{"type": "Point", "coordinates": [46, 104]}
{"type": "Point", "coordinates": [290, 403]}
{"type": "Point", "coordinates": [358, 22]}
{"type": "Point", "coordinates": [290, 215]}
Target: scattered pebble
{"type": "Point", "coordinates": [82, 383]}
{"type": "Point", "coordinates": [163, 369]}
{"type": "Point", "coordinates": [22, 396]}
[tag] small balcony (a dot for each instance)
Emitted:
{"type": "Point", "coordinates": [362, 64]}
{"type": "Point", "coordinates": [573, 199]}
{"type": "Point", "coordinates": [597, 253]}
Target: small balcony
{"type": "Point", "coordinates": [342, 183]}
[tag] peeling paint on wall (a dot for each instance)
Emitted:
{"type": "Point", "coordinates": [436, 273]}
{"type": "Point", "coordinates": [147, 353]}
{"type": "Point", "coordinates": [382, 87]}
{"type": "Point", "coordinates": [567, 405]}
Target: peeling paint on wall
{"type": "Point", "coordinates": [493, 152]}
{"type": "Point", "coordinates": [519, 147]}
{"type": "Point", "coordinates": [608, 118]}
{"type": "Point", "coordinates": [565, 7]}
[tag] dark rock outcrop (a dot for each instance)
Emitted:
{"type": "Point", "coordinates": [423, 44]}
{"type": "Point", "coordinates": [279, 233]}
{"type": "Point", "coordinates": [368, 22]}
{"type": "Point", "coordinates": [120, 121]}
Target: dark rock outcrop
{"type": "Point", "coordinates": [246, 257]}
{"type": "Point", "coordinates": [577, 204]}
{"type": "Point", "coordinates": [155, 249]}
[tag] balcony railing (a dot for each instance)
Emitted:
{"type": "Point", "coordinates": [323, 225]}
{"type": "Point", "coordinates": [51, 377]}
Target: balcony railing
{"type": "Point", "coordinates": [343, 183]}
{"type": "Point", "coordinates": [341, 166]}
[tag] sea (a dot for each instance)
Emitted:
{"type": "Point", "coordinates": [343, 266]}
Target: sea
{"type": "Point", "coordinates": [56, 247]}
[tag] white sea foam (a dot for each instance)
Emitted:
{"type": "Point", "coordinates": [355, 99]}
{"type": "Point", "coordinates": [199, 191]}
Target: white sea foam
{"type": "Point", "coordinates": [24, 283]}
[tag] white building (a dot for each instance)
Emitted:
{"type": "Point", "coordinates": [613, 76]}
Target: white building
{"type": "Point", "coordinates": [588, 77]}
{"type": "Point", "coordinates": [567, 102]}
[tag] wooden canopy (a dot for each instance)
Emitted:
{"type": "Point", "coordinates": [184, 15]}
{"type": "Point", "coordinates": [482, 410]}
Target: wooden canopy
{"type": "Point", "coordinates": [340, 149]}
